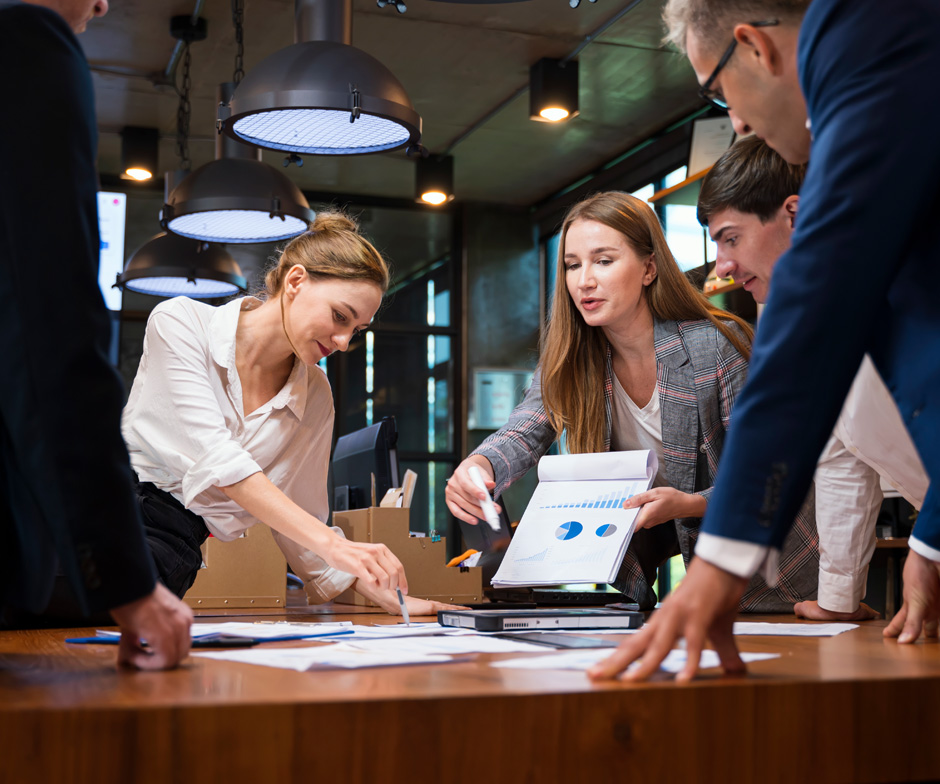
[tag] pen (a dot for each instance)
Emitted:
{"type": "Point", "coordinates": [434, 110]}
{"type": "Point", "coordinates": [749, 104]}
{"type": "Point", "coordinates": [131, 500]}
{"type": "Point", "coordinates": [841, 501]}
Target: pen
{"type": "Point", "coordinates": [404, 610]}
{"type": "Point", "coordinates": [489, 511]}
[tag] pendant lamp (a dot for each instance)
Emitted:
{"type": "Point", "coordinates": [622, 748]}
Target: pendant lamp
{"type": "Point", "coordinates": [322, 96]}
{"type": "Point", "coordinates": [171, 266]}
{"type": "Point", "coordinates": [236, 198]}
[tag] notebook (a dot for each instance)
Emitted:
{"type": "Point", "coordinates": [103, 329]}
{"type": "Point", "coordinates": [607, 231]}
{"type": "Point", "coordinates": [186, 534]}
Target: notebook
{"type": "Point", "coordinates": [575, 529]}
{"type": "Point", "coordinates": [503, 620]}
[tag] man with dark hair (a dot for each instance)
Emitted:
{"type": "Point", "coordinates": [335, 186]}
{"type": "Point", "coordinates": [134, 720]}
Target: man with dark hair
{"type": "Point", "coordinates": [749, 203]}
{"type": "Point", "coordinates": [860, 276]}
{"type": "Point", "coordinates": [66, 496]}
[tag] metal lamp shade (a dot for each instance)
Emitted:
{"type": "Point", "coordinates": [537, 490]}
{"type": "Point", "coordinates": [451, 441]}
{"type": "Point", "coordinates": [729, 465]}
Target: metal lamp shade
{"type": "Point", "coordinates": [171, 266]}
{"type": "Point", "coordinates": [301, 100]}
{"type": "Point", "coordinates": [236, 200]}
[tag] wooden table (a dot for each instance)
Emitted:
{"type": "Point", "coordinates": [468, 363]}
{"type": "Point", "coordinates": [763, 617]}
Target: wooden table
{"type": "Point", "coordinates": [847, 708]}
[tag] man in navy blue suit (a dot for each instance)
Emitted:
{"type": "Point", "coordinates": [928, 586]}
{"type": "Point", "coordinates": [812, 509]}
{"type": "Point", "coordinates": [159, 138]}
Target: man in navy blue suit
{"type": "Point", "coordinates": [66, 498]}
{"type": "Point", "coordinates": [848, 86]}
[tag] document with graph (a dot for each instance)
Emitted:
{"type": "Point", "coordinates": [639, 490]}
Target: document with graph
{"type": "Point", "coordinates": [575, 529]}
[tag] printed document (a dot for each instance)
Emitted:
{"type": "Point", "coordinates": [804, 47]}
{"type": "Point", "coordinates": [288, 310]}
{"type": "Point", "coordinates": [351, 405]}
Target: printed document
{"type": "Point", "coordinates": [575, 529]}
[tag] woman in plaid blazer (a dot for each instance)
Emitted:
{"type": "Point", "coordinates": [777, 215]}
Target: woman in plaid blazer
{"type": "Point", "coordinates": [634, 357]}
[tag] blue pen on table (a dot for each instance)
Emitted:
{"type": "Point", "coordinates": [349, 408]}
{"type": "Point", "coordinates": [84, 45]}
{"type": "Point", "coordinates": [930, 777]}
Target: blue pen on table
{"type": "Point", "coordinates": [404, 610]}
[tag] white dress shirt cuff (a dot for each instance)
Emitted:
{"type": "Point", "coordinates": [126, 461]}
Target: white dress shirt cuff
{"type": "Point", "coordinates": [841, 592]}
{"type": "Point", "coordinates": [223, 465]}
{"type": "Point", "coordinates": [923, 549]}
{"type": "Point", "coordinates": [743, 559]}
{"type": "Point", "coordinates": [321, 581]}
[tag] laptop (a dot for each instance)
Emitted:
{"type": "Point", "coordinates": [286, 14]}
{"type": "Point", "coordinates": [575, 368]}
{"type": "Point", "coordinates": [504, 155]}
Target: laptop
{"type": "Point", "coordinates": [564, 618]}
{"type": "Point", "coordinates": [492, 546]}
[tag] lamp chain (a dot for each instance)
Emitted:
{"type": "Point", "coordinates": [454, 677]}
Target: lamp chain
{"type": "Point", "coordinates": [238, 17]}
{"type": "Point", "coordinates": [183, 114]}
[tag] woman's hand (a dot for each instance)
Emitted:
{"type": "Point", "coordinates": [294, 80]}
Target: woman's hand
{"type": "Point", "coordinates": [813, 612]}
{"type": "Point", "coordinates": [374, 565]}
{"type": "Point", "coordinates": [388, 601]}
{"type": "Point", "coordinates": [463, 496]}
{"type": "Point", "coordinates": [665, 503]}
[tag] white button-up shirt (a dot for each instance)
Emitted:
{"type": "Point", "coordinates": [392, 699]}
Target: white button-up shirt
{"type": "Point", "coordinates": [187, 431]}
{"type": "Point", "coordinates": [870, 446]}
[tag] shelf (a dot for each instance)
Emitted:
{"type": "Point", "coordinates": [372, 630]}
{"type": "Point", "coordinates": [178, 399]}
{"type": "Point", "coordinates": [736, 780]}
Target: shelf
{"type": "Point", "coordinates": [715, 286]}
{"type": "Point", "coordinates": [686, 192]}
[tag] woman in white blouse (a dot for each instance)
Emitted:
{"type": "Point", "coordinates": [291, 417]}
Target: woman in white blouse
{"type": "Point", "coordinates": [230, 420]}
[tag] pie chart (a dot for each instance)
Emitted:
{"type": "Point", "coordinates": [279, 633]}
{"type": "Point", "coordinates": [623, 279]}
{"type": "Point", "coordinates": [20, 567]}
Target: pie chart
{"type": "Point", "coordinates": [568, 530]}
{"type": "Point", "coordinates": [608, 529]}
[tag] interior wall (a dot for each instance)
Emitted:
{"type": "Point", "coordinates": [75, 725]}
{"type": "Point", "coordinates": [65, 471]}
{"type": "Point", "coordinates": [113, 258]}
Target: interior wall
{"type": "Point", "coordinates": [503, 296]}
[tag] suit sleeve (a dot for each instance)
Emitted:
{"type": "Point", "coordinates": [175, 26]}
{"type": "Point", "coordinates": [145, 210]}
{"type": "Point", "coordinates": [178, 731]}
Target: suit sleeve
{"type": "Point", "coordinates": [862, 199]}
{"type": "Point", "coordinates": [60, 399]}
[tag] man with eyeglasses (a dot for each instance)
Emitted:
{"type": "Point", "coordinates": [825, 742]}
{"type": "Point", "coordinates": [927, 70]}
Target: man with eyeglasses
{"type": "Point", "coordinates": [860, 275]}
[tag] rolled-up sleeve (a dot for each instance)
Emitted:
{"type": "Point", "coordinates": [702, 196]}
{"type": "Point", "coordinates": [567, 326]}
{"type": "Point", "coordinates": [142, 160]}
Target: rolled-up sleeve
{"type": "Point", "coordinates": [322, 582]}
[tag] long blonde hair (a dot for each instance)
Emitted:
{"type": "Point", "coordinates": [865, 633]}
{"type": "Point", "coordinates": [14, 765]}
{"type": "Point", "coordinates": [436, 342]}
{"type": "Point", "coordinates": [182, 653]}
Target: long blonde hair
{"type": "Point", "coordinates": [574, 355]}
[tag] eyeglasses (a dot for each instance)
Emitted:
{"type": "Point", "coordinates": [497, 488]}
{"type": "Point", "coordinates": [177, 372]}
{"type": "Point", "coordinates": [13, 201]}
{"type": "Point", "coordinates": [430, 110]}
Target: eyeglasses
{"type": "Point", "coordinates": [715, 97]}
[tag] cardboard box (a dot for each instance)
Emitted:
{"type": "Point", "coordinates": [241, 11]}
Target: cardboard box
{"type": "Point", "coordinates": [425, 561]}
{"type": "Point", "coordinates": [247, 572]}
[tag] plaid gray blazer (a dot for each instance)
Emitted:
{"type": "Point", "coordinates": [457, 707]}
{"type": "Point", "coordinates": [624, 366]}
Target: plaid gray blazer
{"type": "Point", "coordinates": [699, 375]}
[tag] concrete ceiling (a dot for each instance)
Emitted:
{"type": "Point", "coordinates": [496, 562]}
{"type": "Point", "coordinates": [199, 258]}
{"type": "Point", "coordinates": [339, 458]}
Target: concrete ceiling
{"type": "Point", "coordinates": [458, 62]}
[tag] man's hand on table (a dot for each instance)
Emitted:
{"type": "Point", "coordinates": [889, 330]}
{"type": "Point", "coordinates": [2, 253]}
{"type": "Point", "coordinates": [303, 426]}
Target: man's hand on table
{"type": "Point", "coordinates": [813, 612]}
{"type": "Point", "coordinates": [702, 608]}
{"type": "Point", "coordinates": [163, 621]}
{"type": "Point", "coordinates": [921, 608]}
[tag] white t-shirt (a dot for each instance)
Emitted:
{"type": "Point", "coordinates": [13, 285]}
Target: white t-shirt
{"type": "Point", "coordinates": [187, 432]}
{"type": "Point", "coordinates": [633, 427]}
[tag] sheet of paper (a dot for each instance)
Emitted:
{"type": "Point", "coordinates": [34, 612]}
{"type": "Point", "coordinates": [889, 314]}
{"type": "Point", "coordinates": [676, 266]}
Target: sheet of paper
{"type": "Point", "coordinates": [337, 656]}
{"type": "Point", "coordinates": [389, 630]}
{"type": "Point", "coordinates": [449, 644]}
{"type": "Point", "coordinates": [792, 629]}
{"type": "Point", "coordinates": [580, 660]}
{"type": "Point", "coordinates": [262, 631]}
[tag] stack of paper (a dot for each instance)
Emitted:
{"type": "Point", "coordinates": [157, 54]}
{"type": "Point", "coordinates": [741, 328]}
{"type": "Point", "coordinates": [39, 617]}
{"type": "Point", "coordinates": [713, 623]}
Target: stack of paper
{"type": "Point", "coordinates": [575, 529]}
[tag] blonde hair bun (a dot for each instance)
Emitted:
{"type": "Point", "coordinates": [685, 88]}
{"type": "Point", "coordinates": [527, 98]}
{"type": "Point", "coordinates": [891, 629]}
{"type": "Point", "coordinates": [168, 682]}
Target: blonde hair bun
{"type": "Point", "coordinates": [332, 248]}
{"type": "Point", "coordinates": [332, 220]}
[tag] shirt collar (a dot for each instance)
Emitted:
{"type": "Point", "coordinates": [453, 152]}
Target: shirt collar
{"type": "Point", "coordinates": [222, 329]}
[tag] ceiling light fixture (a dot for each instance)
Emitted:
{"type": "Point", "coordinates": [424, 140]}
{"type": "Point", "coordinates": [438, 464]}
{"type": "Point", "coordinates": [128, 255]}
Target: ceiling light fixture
{"type": "Point", "coordinates": [139, 150]}
{"type": "Point", "coordinates": [553, 90]}
{"type": "Point", "coordinates": [171, 266]}
{"type": "Point", "coordinates": [322, 96]}
{"type": "Point", "coordinates": [236, 198]}
{"type": "Point", "coordinates": [434, 179]}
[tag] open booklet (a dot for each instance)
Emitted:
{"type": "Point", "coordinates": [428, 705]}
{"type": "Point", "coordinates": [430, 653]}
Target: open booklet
{"type": "Point", "coordinates": [575, 529]}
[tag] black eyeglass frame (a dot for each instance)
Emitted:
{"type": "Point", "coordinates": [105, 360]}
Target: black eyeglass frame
{"type": "Point", "coordinates": [705, 92]}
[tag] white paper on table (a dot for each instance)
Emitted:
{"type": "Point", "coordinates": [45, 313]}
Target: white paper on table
{"type": "Point", "coordinates": [381, 631]}
{"type": "Point", "coordinates": [336, 656]}
{"type": "Point", "coordinates": [581, 660]}
{"type": "Point", "coordinates": [258, 631]}
{"type": "Point", "coordinates": [450, 644]}
{"type": "Point", "coordinates": [261, 631]}
{"type": "Point", "coordinates": [792, 629]}
{"type": "Point", "coordinates": [575, 529]}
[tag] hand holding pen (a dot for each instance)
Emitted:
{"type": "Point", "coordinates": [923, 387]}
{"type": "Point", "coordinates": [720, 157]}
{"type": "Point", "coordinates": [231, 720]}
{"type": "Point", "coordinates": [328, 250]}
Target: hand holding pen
{"type": "Point", "coordinates": [468, 499]}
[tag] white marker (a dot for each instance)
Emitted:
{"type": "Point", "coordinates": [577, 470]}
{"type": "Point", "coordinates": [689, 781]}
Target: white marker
{"type": "Point", "coordinates": [489, 511]}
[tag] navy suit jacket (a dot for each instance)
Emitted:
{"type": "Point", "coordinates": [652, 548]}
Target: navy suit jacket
{"type": "Point", "coordinates": [863, 272]}
{"type": "Point", "coordinates": [66, 491]}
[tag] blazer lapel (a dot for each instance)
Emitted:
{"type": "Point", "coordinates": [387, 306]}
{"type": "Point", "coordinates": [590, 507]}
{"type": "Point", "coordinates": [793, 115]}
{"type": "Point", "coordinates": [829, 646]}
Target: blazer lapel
{"type": "Point", "coordinates": [678, 406]}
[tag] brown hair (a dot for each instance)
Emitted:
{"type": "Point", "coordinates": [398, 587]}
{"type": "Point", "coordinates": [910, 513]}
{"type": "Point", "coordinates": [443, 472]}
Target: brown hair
{"type": "Point", "coordinates": [332, 248]}
{"type": "Point", "coordinates": [713, 20]}
{"type": "Point", "coordinates": [750, 178]}
{"type": "Point", "coordinates": [574, 355]}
